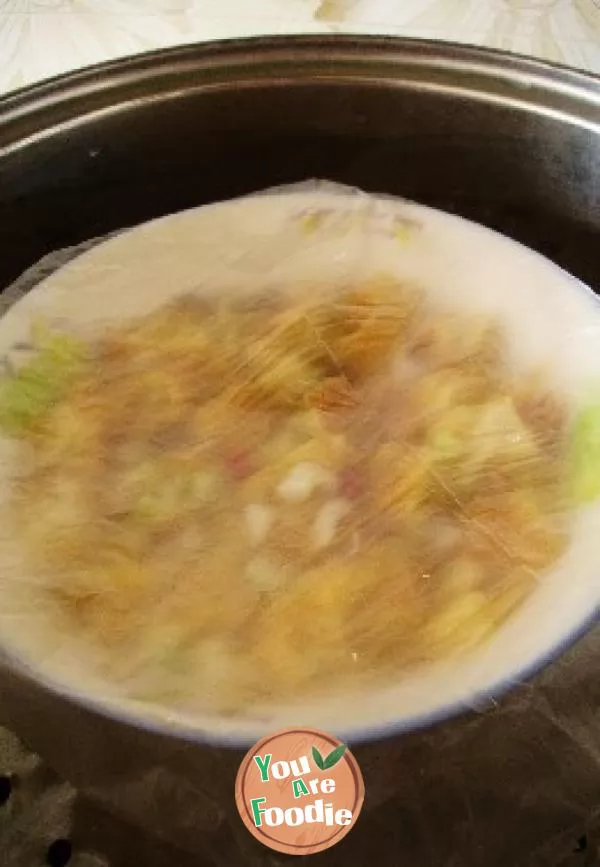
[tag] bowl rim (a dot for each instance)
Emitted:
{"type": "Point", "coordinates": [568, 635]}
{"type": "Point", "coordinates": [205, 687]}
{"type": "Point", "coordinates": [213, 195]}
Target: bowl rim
{"type": "Point", "coordinates": [113, 711]}
{"type": "Point", "coordinates": [152, 720]}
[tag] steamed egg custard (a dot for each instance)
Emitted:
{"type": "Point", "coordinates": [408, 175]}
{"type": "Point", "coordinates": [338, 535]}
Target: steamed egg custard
{"type": "Point", "coordinates": [235, 501]}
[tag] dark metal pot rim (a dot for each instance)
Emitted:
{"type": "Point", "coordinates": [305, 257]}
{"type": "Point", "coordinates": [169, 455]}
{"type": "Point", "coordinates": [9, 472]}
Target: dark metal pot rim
{"type": "Point", "coordinates": [475, 72]}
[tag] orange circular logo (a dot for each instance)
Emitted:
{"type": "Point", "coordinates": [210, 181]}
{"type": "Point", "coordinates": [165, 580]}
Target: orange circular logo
{"type": "Point", "coordinates": [299, 791]}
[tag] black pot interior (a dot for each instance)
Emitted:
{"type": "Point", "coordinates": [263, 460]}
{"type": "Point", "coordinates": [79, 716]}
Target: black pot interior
{"type": "Point", "coordinates": [529, 173]}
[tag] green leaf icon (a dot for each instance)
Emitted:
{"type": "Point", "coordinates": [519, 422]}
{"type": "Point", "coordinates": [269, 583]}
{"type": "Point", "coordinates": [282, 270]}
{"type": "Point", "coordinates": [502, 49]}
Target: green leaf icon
{"type": "Point", "coordinates": [334, 756]}
{"type": "Point", "coordinates": [329, 761]}
{"type": "Point", "coordinates": [318, 759]}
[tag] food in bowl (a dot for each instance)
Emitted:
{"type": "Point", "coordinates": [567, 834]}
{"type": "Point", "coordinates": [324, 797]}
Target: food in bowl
{"type": "Point", "coordinates": [243, 498]}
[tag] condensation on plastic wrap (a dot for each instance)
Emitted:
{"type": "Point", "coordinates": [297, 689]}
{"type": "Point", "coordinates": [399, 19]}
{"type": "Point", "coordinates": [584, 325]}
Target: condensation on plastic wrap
{"type": "Point", "coordinates": [512, 778]}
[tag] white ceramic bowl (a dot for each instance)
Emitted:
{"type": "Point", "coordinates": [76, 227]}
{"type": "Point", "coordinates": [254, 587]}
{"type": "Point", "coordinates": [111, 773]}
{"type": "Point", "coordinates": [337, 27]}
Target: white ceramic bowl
{"type": "Point", "coordinates": [551, 320]}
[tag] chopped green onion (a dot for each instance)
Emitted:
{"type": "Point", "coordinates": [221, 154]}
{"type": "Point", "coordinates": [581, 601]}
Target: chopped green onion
{"type": "Point", "coordinates": [40, 383]}
{"type": "Point", "coordinates": [585, 455]}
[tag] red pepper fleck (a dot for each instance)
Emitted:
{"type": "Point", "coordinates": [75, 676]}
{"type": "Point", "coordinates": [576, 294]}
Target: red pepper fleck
{"type": "Point", "coordinates": [351, 483]}
{"type": "Point", "coordinates": [238, 464]}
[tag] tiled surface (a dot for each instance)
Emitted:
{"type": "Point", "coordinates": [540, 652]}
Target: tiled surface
{"type": "Point", "coordinates": [40, 38]}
